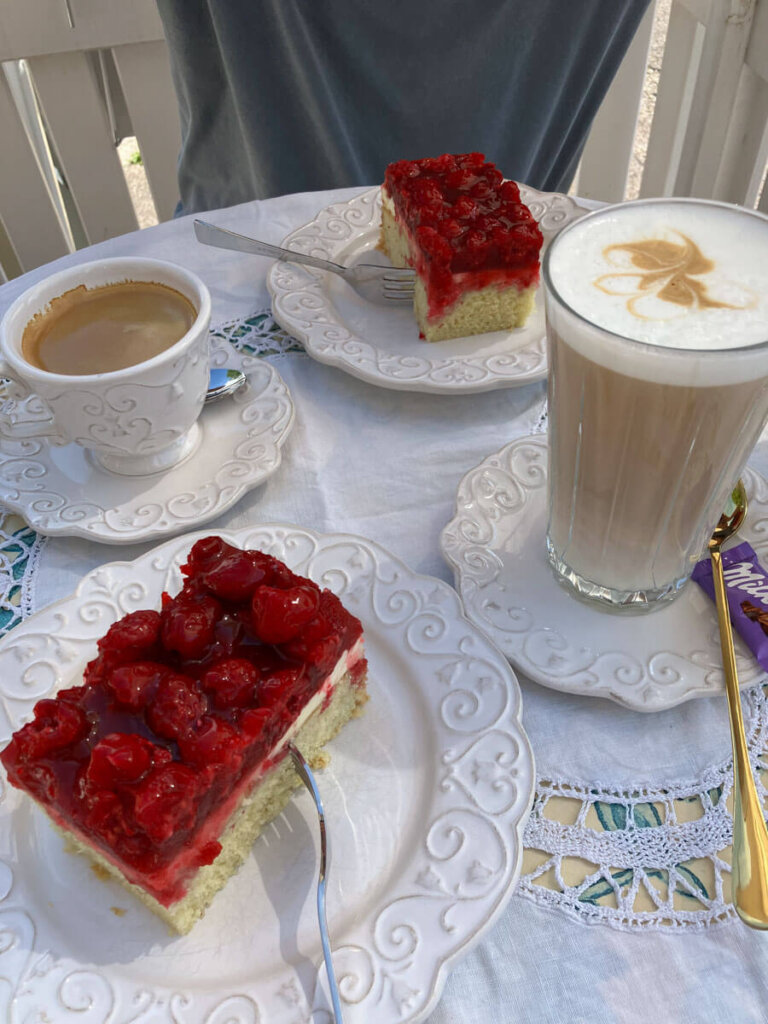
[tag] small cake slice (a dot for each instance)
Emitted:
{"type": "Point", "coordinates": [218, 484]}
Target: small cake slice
{"type": "Point", "coordinates": [472, 242]}
{"type": "Point", "coordinates": [169, 759]}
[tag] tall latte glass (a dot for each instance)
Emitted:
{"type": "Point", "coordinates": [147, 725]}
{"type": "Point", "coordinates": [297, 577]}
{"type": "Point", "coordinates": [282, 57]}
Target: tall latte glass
{"type": "Point", "coordinates": [657, 323]}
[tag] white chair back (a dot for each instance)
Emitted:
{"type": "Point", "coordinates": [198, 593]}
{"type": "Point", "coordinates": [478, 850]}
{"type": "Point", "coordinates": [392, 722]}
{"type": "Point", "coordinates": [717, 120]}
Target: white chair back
{"type": "Point", "coordinates": [709, 134]}
{"type": "Point", "coordinates": [98, 69]}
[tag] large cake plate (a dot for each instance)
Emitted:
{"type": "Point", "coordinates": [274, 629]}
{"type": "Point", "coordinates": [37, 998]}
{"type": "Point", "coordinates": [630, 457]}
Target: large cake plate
{"type": "Point", "coordinates": [381, 344]}
{"type": "Point", "coordinates": [495, 545]}
{"type": "Point", "coordinates": [425, 797]}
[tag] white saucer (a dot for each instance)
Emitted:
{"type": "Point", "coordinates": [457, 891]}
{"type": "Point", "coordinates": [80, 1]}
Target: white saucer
{"type": "Point", "coordinates": [62, 492]}
{"type": "Point", "coordinates": [381, 344]}
{"type": "Point", "coordinates": [495, 545]}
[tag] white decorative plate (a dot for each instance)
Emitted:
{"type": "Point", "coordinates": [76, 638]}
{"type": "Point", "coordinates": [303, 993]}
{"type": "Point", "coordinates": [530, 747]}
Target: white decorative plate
{"type": "Point", "coordinates": [425, 800]}
{"type": "Point", "coordinates": [60, 492]}
{"type": "Point", "coordinates": [381, 344]}
{"type": "Point", "coordinates": [495, 545]}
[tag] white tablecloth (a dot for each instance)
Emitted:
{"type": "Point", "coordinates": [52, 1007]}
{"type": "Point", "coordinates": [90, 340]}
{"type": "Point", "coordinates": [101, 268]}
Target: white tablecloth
{"type": "Point", "coordinates": [386, 465]}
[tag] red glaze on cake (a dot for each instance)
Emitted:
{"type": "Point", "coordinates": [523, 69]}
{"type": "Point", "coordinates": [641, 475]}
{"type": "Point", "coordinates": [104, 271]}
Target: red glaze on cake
{"type": "Point", "coordinates": [183, 713]}
{"type": "Point", "coordinates": [467, 234]}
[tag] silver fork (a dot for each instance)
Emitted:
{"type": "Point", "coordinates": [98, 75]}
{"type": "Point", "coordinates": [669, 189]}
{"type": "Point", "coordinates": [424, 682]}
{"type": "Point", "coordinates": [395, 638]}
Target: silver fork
{"type": "Point", "coordinates": [306, 776]}
{"type": "Point", "coordinates": [374, 283]}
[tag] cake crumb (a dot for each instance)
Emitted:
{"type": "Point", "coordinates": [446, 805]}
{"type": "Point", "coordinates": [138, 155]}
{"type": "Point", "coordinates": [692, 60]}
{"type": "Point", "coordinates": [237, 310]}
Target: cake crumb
{"type": "Point", "coordinates": [119, 911]}
{"type": "Point", "coordinates": [320, 760]}
{"type": "Point", "coordinates": [362, 700]}
{"type": "Point", "coordinates": [101, 873]}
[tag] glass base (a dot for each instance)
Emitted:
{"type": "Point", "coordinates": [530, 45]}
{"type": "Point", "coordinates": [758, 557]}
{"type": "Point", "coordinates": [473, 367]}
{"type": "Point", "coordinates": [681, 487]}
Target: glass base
{"type": "Point", "coordinates": [624, 601]}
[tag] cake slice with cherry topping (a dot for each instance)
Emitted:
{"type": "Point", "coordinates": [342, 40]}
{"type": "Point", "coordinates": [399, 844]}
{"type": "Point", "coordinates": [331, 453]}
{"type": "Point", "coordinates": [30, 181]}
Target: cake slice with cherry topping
{"type": "Point", "coordinates": [471, 240]}
{"type": "Point", "coordinates": [167, 761]}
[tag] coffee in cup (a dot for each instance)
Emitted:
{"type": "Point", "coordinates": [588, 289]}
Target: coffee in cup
{"type": "Point", "coordinates": [657, 322]}
{"type": "Point", "coordinates": [62, 343]}
{"type": "Point", "coordinates": [99, 330]}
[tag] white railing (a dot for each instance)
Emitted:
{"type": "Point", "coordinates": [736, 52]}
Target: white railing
{"type": "Point", "coordinates": [98, 70]}
{"type": "Point", "coordinates": [709, 135]}
{"type": "Point", "coordinates": [96, 66]}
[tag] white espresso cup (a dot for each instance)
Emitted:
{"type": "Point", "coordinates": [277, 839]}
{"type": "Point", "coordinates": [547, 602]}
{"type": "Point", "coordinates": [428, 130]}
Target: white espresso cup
{"type": "Point", "coordinates": [133, 421]}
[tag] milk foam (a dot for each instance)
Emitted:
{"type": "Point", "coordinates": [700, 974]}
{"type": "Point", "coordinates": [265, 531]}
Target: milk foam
{"type": "Point", "coordinates": [619, 267]}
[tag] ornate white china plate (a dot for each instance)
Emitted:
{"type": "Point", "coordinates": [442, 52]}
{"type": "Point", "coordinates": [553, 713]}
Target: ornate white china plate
{"type": "Point", "coordinates": [425, 798]}
{"type": "Point", "coordinates": [60, 492]}
{"type": "Point", "coordinates": [381, 345]}
{"type": "Point", "coordinates": [495, 545]}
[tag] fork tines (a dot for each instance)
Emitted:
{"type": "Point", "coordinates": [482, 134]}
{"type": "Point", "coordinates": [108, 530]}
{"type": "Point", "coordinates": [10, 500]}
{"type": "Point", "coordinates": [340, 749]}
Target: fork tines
{"type": "Point", "coordinates": [399, 274]}
{"type": "Point", "coordinates": [398, 284]}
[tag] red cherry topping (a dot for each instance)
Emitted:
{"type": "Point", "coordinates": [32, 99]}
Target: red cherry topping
{"type": "Point", "coordinates": [465, 208]}
{"type": "Point", "coordinates": [427, 192]}
{"type": "Point", "coordinates": [436, 247]}
{"type": "Point", "coordinates": [119, 757]}
{"type": "Point", "coordinates": [208, 854]}
{"type": "Point", "coordinates": [449, 195]}
{"type": "Point", "coordinates": [137, 631]}
{"type": "Point", "coordinates": [57, 724]}
{"type": "Point", "coordinates": [189, 626]}
{"type": "Point", "coordinates": [280, 575]}
{"type": "Point", "coordinates": [134, 684]}
{"type": "Point", "coordinates": [205, 553]}
{"type": "Point", "coordinates": [231, 683]}
{"type": "Point", "coordinates": [213, 741]}
{"type": "Point", "coordinates": [235, 576]}
{"type": "Point", "coordinates": [278, 687]}
{"type": "Point", "coordinates": [103, 811]}
{"type": "Point", "coordinates": [510, 192]}
{"type": "Point", "coordinates": [279, 615]}
{"type": "Point", "coordinates": [451, 228]}
{"type": "Point", "coordinates": [178, 704]}
{"type": "Point", "coordinates": [73, 695]}
{"type": "Point", "coordinates": [255, 722]}
{"type": "Point", "coordinates": [38, 779]}
{"type": "Point", "coordinates": [165, 801]}
{"type": "Point", "coordinates": [460, 179]}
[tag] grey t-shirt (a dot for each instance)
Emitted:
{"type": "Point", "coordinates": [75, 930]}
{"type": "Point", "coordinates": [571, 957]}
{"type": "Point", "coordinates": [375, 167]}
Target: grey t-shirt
{"type": "Point", "coordinates": [281, 96]}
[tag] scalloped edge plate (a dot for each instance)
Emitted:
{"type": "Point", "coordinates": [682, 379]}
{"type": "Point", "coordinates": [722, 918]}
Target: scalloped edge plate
{"type": "Point", "coordinates": [426, 799]}
{"type": "Point", "coordinates": [381, 345]}
{"type": "Point", "coordinates": [495, 545]}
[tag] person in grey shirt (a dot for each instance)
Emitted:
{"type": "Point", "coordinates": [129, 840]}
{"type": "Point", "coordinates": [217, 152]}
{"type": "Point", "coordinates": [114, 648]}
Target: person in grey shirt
{"type": "Point", "coordinates": [280, 96]}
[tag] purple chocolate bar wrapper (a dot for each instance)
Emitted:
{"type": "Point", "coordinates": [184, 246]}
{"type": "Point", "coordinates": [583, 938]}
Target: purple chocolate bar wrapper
{"type": "Point", "coordinates": [745, 581]}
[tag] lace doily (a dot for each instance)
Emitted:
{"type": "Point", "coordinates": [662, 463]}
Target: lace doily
{"type": "Point", "coordinates": [628, 859]}
{"type": "Point", "coordinates": [650, 858]}
{"type": "Point", "coordinates": [258, 334]}
{"type": "Point", "coordinates": [20, 549]}
{"type": "Point", "coordinates": [644, 859]}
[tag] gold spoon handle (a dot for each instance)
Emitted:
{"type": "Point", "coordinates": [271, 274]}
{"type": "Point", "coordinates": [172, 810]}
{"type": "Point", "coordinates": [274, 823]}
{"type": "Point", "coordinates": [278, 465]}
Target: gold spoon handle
{"type": "Point", "coordinates": [750, 839]}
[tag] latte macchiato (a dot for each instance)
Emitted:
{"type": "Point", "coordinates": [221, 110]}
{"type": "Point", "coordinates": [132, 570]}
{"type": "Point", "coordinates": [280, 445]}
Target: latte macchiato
{"type": "Point", "coordinates": [99, 330]}
{"type": "Point", "coordinates": [657, 320]}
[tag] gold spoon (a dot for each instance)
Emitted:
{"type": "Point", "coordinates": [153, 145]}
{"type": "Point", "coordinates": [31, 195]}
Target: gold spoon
{"type": "Point", "coordinates": [749, 873]}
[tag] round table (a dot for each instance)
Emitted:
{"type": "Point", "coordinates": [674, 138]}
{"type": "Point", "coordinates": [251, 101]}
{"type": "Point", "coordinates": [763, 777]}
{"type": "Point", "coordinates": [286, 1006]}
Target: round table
{"type": "Point", "coordinates": [386, 465]}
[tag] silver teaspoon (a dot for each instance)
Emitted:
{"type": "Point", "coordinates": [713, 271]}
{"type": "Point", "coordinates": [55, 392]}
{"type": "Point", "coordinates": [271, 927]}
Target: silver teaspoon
{"type": "Point", "coordinates": [223, 382]}
{"type": "Point", "coordinates": [305, 773]}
